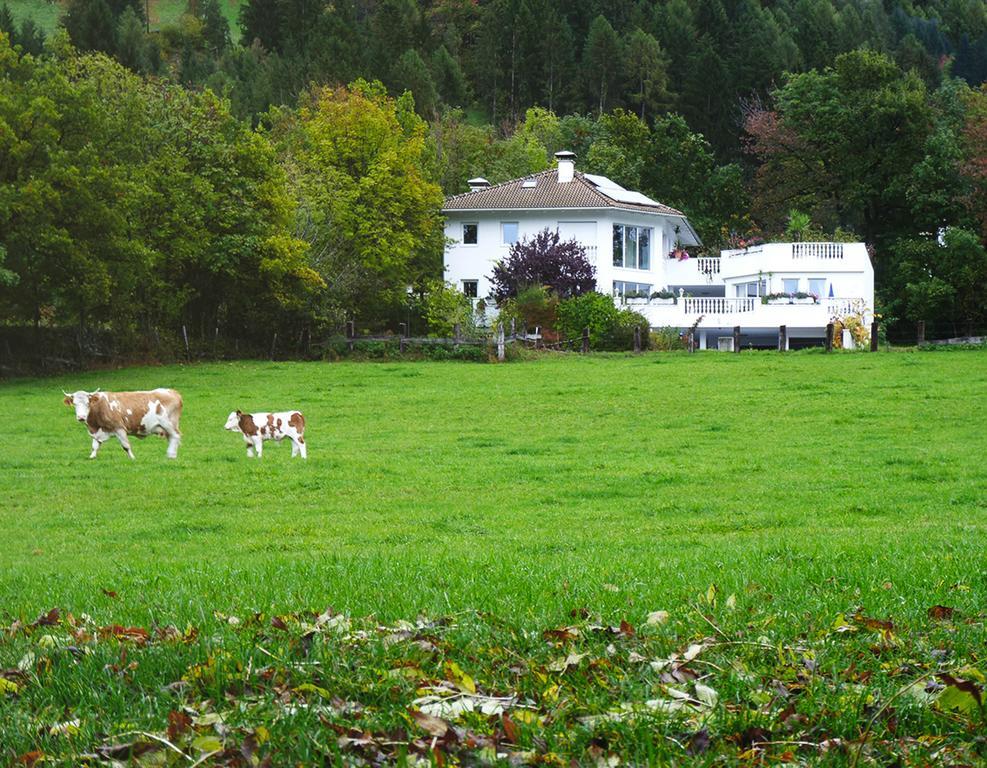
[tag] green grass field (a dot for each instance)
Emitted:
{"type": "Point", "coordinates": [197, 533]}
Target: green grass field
{"type": "Point", "coordinates": [506, 531]}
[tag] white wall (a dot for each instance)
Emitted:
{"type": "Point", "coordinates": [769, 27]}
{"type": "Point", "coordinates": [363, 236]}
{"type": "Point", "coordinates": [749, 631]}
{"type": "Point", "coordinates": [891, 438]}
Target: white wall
{"type": "Point", "coordinates": [592, 228]}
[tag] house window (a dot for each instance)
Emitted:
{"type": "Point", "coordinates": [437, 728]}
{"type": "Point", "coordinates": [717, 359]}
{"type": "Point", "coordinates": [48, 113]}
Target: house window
{"type": "Point", "coordinates": [470, 232]}
{"type": "Point", "coordinates": [757, 288]}
{"type": "Point", "coordinates": [470, 288]}
{"type": "Point", "coordinates": [631, 247]}
{"type": "Point", "coordinates": [817, 286]}
{"type": "Point", "coordinates": [623, 289]}
{"type": "Point", "coordinates": [509, 230]}
{"type": "Point", "coordinates": [790, 285]}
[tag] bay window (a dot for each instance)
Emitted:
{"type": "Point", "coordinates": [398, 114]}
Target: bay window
{"type": "Point", "coordinates": [631, 247]}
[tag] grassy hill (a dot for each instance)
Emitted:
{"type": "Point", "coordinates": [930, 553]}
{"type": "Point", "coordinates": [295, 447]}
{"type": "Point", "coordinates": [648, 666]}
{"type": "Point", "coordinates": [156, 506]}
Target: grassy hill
{"type": "Point", "coordinates": [160, 12]}
{"type": "Point", "coordinates": [502, 538]}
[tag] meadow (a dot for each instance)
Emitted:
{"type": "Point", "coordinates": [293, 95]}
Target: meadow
{"type": "Point", "coordinates": [664, 558]}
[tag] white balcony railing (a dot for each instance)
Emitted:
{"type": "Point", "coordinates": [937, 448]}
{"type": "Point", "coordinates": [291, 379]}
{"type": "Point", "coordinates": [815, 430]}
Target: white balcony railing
{"type": "Point", "coordinates": [817, 250]}
{"type": "Point", "coordinates": [708, 266]}
{"type": "Point", "coordinates": [715, 305]}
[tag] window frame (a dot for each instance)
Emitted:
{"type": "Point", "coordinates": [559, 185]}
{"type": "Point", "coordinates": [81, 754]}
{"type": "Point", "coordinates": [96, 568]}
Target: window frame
{"type": "Point", "coordinates": [786, 280]}
{"type": "Point", "coordinates": [476, 233]}
{"type": "Point", "coordinates": [503, 235]}
{"type": "Point", "coordinates": [627, 235]}
{"type": "Point", "coordinates": [476, 288]}
{"type": "Point", "coordinates": [821, 293]}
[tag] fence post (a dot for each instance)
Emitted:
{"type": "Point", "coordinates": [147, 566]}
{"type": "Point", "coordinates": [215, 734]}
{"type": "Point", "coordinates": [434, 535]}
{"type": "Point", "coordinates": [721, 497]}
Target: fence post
{"type": "Point", "coordinates": [350, 334]}
{"type": "Point", "coordinates": [188, 352]}
{"type": "Point", "coordinates": [457, 333]}
{"type": "Point", "coordinates": [736, 338]}
{"type": "Point", "coordinates": [274, 344]}
{"type": "Point", "coordinates": [830, 329]}
{"type": "Point", "coordinates": [874, 327]}
{"type": "Point", "coordinates": [586, 340]}
{"type": "Point", "coordinates": [500, 341]}
{"type": "Point", "coordinates": [402, 344]}
{"type": "Point", "coordinates": [690, 341]}
{"type": "Point", "coordinates": [403, 329]}
{"type": "Point", "coordinates": [215, 343]}
{"type": "Point", "coordinates": [782, 338]}
{"type": "Point", "coordinates": [637, 338]}
{"type": "Point", "coordinates": [921, 333]}
{"type": "Point", "coordinates": [513, 329]}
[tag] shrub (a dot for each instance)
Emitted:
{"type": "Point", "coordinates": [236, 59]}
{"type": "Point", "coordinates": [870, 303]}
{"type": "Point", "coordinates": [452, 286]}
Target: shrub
{"type": "Point", "coordinates": [544, 260]}
{"type": "Point", "coordinates": [609, 328]}
{"type": "Point", "coordinates": [666, 339]}
{"type": "Point", "coordinates": [590, 310]}
{"type": "Point", "coordinates": [445, 307]}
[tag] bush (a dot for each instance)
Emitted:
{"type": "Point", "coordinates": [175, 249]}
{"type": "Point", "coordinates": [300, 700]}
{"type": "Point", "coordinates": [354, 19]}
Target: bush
{"type": "Point", "coordinates": [666, 339]}
{"type": "Point", "coordinates": [609, 328]}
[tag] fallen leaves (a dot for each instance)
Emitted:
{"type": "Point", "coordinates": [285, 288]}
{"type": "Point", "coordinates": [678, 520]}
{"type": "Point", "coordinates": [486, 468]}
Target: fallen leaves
{"type": "Point", "coordinates": [723, 683]}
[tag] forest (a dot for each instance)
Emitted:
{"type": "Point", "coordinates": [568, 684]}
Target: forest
{"type": "Point", "coordinates": [287, 174]}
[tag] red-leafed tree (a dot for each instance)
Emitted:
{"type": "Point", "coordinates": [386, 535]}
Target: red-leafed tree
{"type": "Point", "coordinates": [544, 260]}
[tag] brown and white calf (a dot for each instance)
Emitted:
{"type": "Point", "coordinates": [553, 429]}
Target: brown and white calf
{"type": "Point", "coordinates": [120, 414]}
{"type": "Point", "coordinates": [258, 427]}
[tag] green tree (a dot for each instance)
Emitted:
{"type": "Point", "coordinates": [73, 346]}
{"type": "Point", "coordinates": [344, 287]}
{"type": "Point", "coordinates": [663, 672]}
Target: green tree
{"type": "Point", "coordinates": [366, 206]}
{"type": "Point", "coordinates": [131, 42]}
{"type": "Point", "coordinates": [215, 28]}
{"type": "Point", "coordinates": [91, 25]}
{"type": "Point", "coordinates": [601, 63]}
{"type": "Point", "coordinates": [411, 74]}
{"type": "Point", "coordinates": [646, 71]}
{"type": "Point", "coordinates": [450, 82]}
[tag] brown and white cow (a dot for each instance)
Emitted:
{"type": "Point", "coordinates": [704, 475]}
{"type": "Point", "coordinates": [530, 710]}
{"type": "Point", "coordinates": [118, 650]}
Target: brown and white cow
{"type": "Point", "coordinates": [258, 427]}
{"type": "Point", "coordinates": [120, 414]}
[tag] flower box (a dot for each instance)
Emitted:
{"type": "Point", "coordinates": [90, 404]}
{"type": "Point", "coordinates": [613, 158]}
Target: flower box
{"type": "Point", "coordinates": [663, 301]}
{"type": "Point", "coordinates": [809, 300]}
{"type": "Point", "coordinates": [636, 301]}
{"type": "Point", "coordinates": [780, 301]}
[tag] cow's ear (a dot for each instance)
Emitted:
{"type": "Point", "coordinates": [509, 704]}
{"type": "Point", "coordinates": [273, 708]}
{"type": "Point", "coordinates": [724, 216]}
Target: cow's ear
{"type": "Point", "coordinates": [239, 413]}
{"type": "Point", "coordinates": [67, 400]}
{"type": "Point", "coordinates": [93, 397]}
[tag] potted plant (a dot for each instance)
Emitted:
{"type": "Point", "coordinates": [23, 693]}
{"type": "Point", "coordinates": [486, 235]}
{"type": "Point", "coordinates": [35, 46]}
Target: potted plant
{"type": "Point", "coordinates": [801, 297]}
{"type": "Point", "coordinates": [636, 297]}
{"type": "Point", "coordinates": [663, 297]}
{"type": "Point", "coordinates": [777, 298]}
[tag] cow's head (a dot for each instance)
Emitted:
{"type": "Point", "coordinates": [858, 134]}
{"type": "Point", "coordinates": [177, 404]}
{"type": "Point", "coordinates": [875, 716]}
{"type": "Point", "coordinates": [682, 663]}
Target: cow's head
{"type": "Point", "coordinates": [233, 421]}
{"type": "Point", "coordinates": [81, 401]}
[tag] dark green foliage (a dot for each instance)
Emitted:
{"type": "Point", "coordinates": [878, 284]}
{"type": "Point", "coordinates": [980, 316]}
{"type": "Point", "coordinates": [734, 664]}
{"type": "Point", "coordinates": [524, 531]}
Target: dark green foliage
{"type": "Point", "coordinates": [91, 25]}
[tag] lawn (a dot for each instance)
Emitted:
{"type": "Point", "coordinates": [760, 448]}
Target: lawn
{"type": "Point", "coordinates": [711, 558]}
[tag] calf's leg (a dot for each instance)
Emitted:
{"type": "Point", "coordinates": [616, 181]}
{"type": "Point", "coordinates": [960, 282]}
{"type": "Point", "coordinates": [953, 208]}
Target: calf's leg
{"type": "Point", "coordinates": [258, 445]}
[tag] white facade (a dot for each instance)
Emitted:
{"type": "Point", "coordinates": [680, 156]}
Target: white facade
{"type": "Point", "coordinates": [495, 231]}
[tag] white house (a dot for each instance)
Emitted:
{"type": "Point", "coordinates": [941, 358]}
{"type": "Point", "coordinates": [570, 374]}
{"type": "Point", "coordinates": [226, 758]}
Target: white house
{"type": "Point", "coordinates": [632, 241]}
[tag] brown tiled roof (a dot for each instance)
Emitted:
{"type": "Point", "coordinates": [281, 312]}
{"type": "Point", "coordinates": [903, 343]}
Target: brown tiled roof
{"type": "Point", "coordinates": [547, 193]}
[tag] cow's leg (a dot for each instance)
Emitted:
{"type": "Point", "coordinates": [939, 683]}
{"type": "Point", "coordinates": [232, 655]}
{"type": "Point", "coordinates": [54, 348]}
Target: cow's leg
{"type": "Point", "coordinates": [294, 447]}
{"type": "Point", "coordinates": [259, 445]}
{"type": "Point", "coordinates": [250, 447]}
{"type": "Point", "coordinates": [174, 438]}
{"type": "Point", "coordinates": [302, 448]}
{"type": "Point", "coordinates": [124, 442]}
{"type": "Point", "coordinates": [98, 439]}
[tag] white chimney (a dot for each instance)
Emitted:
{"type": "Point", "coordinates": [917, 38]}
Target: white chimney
{"type": "Point", "coordinates": [478, 183]}
{"type": "Point", "coordinates": [567, 166]}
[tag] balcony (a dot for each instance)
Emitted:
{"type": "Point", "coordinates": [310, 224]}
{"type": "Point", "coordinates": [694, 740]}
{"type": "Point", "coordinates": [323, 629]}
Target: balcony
{"type": "Point", "coordinates": [749, 312]}
{"type": "Point", "coordinates": [703, 270]}
{"type": "Point", "coordinates": [794, 257]}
